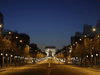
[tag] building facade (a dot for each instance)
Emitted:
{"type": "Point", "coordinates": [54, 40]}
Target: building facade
{"type": "Point", "coordinates": [50, 50]}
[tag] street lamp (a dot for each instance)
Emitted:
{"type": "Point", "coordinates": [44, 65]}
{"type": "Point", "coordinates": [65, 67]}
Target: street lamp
{"type": "Point", "coordinates": [16, 37]}
{"type": "Point", "coordinates": [87, 56]}
{"type": "Point", "coordinates": [9, 32]}
{"type": "Point", "coordinates": [0, 28]}
{"type": "Point", "coordinates": [73, 44]}
{"type": "Point", "coordinates": [85, 36]}
{"type": "Point", "coordinates": [80, 39]}
{"type": "Point", "coordinates": [76, 42]}
{"type": "Point", "coordinates": [94, 29]}
{"type": "Point", "coordinates": [96, 54]}
{"type": "Point", "coordinates": [0, 25]}
{"type": "Point", "coordinates": [91, 55]}
{"type": "Point", "coordinates": [1, 54]}
{"type": "Point", "coordinates": [92, 47]}
{"type": "Point", "coordinates": [15, 56]}
{"type": "Point", "coordinates": [26, 45]}
{"type": "Point", "coordinates": [20, 40]}
{"type": "Point", "coordinates": [6, 54]}
{"type": "Point", "coordinates": [11, 55]}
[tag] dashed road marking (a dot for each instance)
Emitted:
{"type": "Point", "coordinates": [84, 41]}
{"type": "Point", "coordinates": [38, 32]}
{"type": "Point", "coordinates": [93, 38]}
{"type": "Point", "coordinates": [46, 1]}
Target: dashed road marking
{"type": "Point", "coordinates": [49, 71]}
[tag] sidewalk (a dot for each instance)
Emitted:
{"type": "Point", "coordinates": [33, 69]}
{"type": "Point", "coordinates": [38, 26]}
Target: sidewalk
{"type": "Point", "coordinates": [87, 68]}
{"type": "Point", "coordinates": [13, 67]}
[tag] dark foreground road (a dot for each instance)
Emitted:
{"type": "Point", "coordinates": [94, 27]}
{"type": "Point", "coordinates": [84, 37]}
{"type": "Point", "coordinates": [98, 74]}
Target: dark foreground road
{"type": "Point", "coordinates": [45, 68]}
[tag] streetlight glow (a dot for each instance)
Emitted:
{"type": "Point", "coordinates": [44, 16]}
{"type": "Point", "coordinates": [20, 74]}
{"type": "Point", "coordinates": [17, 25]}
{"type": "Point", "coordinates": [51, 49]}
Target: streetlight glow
{"type": "Point", "coordinates": [96, 54]}
{"type": "Point", "coordinates": [80, 39]}
{"type": "Point", "coordinates": [76, 42]}
{"type": "Point", "coordinates": [9, 32]}
{"type": "Point", "coordinates": [16, 37]}
{"type": "Point", "coordinates": [0, 26]}
{"type": "Point", "coordinates": [87, 56]}
{"type": "Point", "coordinates": [94, 29]}
{"type": "Point", "coordinates": [92, 47]}
{"type": "Point", "coordinates": [84, 35]}
{"type": "Point", "coordinates": [1, 53]}
{"type": "Point", "coordinates": [6, 54]}
{"type": "Point", "coordinates": [73, 44]}
{"type": "Point", "coordinates": [20, 40]}
{"type": "Point", "coordinates": [91, 55]}
{"type": "Point", "coordinates": [11, 55]}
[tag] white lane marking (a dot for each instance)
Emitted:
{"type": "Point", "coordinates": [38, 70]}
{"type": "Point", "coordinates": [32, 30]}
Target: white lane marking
{"type": "Point", "coordinates": [49, 71]}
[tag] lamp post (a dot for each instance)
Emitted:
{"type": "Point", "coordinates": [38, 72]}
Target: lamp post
{"type": "Point", "coordinates": [6, 60]}
{"type": "Point", "coordinates": [1, 28]}
{"type": "Point", "coordinates": [97, 59]}
{"type": "Point", "coordinates": [96, 37]}
{"type": "Point", "coordinates": [1, 59]}
{"type": "Point", "coordinates": [92, 57]}
{"type": "Point", "coordinates": [11, 59]}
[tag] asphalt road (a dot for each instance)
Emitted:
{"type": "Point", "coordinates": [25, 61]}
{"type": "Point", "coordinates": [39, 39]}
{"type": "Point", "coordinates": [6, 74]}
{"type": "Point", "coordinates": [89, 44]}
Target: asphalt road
{"type": "Point", "coordinates": [49, 67]}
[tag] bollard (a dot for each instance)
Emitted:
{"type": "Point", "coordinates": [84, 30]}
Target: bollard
{"type": "Point", "coordinates": [49, 65]}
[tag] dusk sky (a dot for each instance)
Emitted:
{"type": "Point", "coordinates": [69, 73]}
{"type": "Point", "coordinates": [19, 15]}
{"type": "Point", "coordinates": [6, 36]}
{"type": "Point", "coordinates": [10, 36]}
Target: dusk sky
{"type": "Point", "coordinates": [49, 22]}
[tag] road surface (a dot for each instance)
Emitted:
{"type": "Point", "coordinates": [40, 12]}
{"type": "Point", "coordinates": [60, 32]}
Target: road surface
{"type": "Point", "coordinates": [49, 66]}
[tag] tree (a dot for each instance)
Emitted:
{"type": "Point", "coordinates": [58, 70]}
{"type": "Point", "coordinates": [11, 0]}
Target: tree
{"type": "Point", "coordinates": [87, 30]}
{"type": "Point", "coordinates": [98, 26]}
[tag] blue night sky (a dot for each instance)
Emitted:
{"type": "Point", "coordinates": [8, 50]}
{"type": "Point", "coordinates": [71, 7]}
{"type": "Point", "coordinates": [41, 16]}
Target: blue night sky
{"type": "Point", "coordinates": [49, 22]}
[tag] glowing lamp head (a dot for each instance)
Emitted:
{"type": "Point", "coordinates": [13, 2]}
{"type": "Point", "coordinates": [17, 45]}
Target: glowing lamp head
{"type": "Point", "coordinates": [87, 56]}
{"type": "Point", "coordinates": [1, 53]}
{"type": "Point", "coordinates": [96, 54]}
{"type": "Point", "coordinates": [91, 55]}
{"type": "Point", "coordinates": [16, 37]}
{"type": "Point", "coordinates": [73, 44]}
{"type": "Point", "coordinates": [6, 54]}
{"type": "Point", "coordinates": [9, 32]}
{"type": "Point", "coordinates": [0, 26]}
{"type": "Point", "coordinates": [80, 39]}
{"type": "Point", "coordinates": [94, 29]}
{"type": "Point", "coordinates": [76, 42]}
{"type": "Point", "coordinates": [85, 36]}
{"type": "Point", "coordinates": [11, 55]}
{"type": "Point", "coordinates": [20, 40]}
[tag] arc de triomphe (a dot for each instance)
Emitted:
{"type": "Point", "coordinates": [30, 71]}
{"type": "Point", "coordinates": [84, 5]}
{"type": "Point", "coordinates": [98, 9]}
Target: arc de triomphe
{"type": "Point", "coordinates": [50, 50]}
